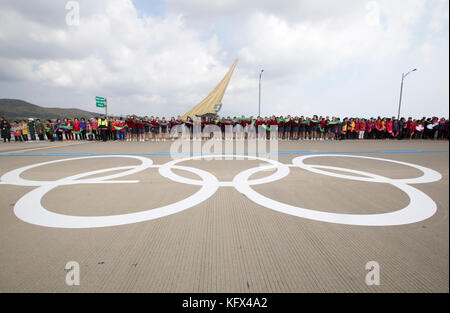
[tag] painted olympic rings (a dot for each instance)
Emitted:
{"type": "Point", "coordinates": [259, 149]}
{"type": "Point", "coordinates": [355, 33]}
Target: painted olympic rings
{"type": "Point", "coordinates": [29, 208]}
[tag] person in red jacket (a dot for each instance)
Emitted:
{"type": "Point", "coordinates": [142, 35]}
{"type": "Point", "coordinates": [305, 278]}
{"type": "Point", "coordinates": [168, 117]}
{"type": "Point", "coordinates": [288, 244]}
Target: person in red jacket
{"type": "Point", "coordinates": [407, 127]}
{"type": "Point", "coordinates": [180, 125]}
{"type": "Point", "coordinates": [140, 130]}
{"type": "Point", "coordinates": [254, 132]}
{"type": "Point", "coordinates": [164, 128]}
{"type": "Point", "coordinates": [280, 123]}
{"type": "Point", "coordinates": [294, 127]}
{"type": "Point", "coordinates": [273, 121]}
{"type": "Point", "coordinates": [378, 129]}
{"type": "Point", "coordinates": [441, 128]}
{"type": "Point", "coordinates": [321, 130]}
{"type": "Point", "coordinates": [173, 125]}
{"type": "Point", "coordinates": [130, 125]}
{"type": "Point", "coordinates": [287, 127]}
{"type": "Point", "coordinates": [135, 129]}
{"type": "Point", "coordinates": [356, 129]}
{"type": "Point", "coordinates": [147, 133]}
{"type": "Point", "coordinates": [76, 129]}
{"type": "Point", "coordinates": [120, 124]}
{"type": "Point", "coordinates": [412, 126]}
{"type": "Point", "coordinates": [314, 127]}
{"type": "Point", "coordinates": [113, 127]}
{"type": "Point", "coordinates": [389, 129]}
{"type": "Point", "coordinates": [362, 129]}
{"type": "Point", "coordinates": [327, 128]}
{"type": "Point", "coordinates": [151, 125]}
{"type": "Point", "coordinates": [155, 128]}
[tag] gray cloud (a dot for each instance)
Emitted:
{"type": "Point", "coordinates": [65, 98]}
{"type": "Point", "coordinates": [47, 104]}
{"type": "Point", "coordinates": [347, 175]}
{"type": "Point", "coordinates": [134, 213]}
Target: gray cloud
{"type": "Point", "coordinates": [167, 64]}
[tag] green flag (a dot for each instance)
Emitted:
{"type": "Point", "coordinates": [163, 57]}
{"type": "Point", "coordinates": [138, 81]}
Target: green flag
{"type": "Point", "coordinates": [334, 123]}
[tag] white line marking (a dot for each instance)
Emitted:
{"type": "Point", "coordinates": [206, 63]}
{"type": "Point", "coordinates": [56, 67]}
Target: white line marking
{"type": "Point", "coordinates": [42, 148]}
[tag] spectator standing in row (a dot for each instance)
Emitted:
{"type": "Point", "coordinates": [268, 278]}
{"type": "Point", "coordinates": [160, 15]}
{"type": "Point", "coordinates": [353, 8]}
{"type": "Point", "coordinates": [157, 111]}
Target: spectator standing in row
{"type": "Point", "coordinates": [31, 129]}
{"type": "Point", "coordinates": [5, 128]}
{"type": "Point", "coordinates": [24, 130]}
{"type": "Point", "coordinates": [40, 129]}
{"type": "Point", "coordinates": [103, 128]}
{"type": "Point", "coordinates": [58, 130]}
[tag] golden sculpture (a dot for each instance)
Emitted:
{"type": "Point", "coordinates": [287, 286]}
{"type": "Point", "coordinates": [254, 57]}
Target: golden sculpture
{"type": "Point", "coordinates": [213, 102]}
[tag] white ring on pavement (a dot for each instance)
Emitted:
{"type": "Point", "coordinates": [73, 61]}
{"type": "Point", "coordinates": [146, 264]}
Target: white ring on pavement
{"type": "Point", "coordinates": [420, 207]}
{"type": "Point", "coordinates": [30, 209]}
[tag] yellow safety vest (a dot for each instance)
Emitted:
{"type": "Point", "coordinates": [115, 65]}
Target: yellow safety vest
{"type": "Point", "coordinates": [102, 122]}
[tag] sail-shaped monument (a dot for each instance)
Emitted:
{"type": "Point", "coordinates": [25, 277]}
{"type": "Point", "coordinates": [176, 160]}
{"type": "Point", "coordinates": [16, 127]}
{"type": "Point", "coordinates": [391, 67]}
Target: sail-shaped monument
{"type": "Point", "coordinates": [213, 102]}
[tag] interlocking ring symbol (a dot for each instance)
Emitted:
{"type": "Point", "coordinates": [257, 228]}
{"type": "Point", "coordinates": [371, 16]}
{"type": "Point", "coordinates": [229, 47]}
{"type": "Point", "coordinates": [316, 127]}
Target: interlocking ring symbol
{"type": "Point", "coordinates": [29, 208]}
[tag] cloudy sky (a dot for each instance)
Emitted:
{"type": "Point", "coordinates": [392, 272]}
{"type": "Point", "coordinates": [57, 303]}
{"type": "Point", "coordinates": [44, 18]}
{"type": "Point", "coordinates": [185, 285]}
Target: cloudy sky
{"type": "Point", "coordinates": [155, 57]}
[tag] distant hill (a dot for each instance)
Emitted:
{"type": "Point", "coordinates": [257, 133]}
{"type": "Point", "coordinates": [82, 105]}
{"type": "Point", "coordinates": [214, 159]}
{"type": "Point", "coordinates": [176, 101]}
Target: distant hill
{"type": "Point", "coordinates": [13, 109]}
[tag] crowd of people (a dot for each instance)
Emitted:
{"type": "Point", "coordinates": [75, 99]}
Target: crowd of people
{"type": "Point", "coordinates": [141, 129]}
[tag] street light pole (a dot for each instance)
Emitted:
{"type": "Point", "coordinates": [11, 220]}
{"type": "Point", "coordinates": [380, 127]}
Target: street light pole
{"type": "Point", "coordinates": [259, 103]}
{"type": "Point", "coordinates": [401, 91]}
{"type": "Point", "coordinates": [106, 107]}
